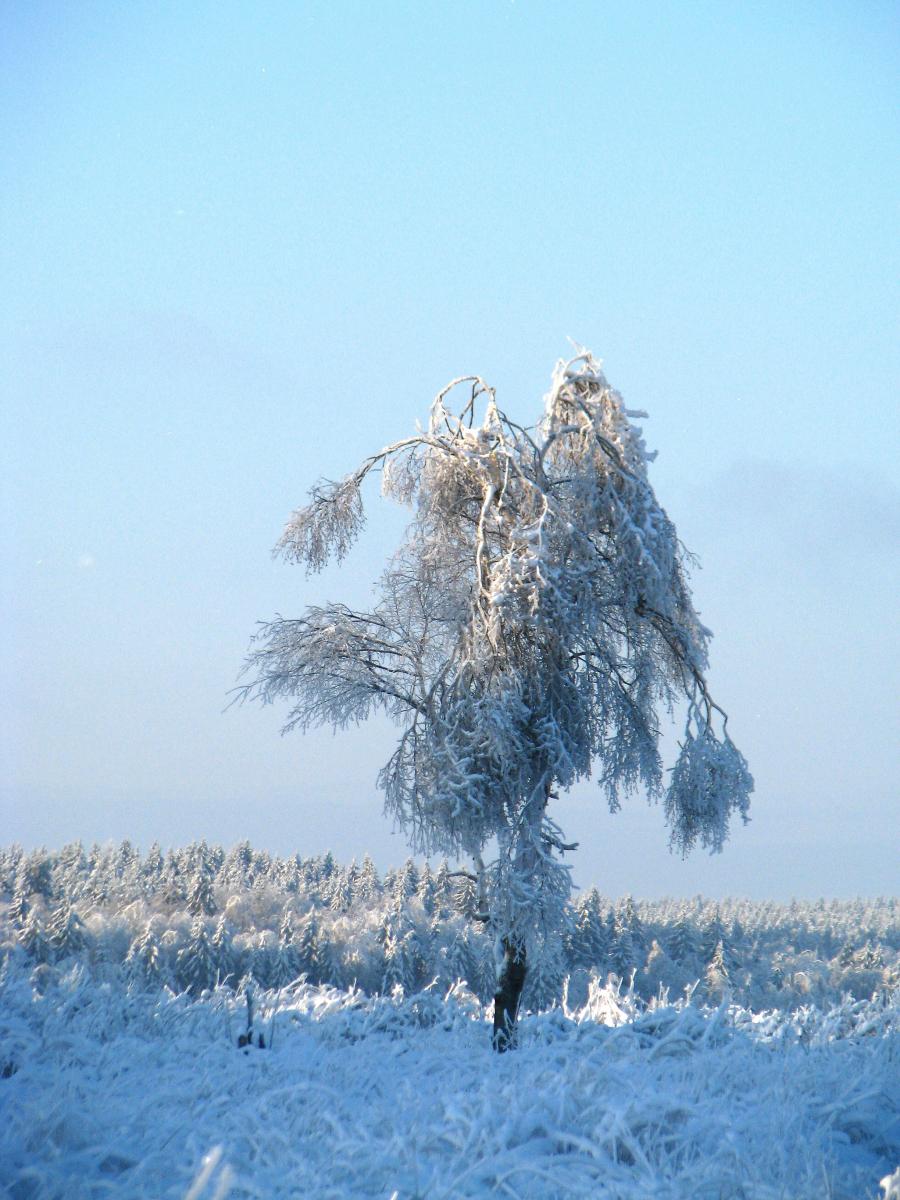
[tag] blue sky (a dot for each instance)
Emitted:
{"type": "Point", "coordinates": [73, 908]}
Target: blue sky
{"type": "Point", "coordinates": [244, 245]}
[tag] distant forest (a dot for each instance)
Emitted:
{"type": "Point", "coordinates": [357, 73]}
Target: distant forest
{"type": "Point", "coordinates": [202, 917]}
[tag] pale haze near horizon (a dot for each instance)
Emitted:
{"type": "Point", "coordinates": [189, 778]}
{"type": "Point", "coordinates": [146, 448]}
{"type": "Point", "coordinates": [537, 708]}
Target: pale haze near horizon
{"type": "Point", "coordinates": [243, 246]}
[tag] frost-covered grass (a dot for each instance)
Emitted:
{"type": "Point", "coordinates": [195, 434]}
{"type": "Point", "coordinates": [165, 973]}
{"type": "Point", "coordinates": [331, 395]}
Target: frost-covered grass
{"type": "Point", "coordinates": [123, 996]}
{"type": "Point", "coordinates": [111, 1090]}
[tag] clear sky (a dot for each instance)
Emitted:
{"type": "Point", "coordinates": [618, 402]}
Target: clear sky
{"type": "Point", "coordinates": [242, 246]}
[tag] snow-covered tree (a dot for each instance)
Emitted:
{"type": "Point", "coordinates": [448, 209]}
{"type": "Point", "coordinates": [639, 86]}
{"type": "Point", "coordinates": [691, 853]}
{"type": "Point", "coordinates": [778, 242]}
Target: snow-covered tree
{"type": "Point", "coordinates": [368, 885]}
{"type": "Point", "coordinates": [717, 977]}
{"type": "Point", "coordinates": [36, 873]}
{"type": "Point", "coordinates": [443, 888]}
{"type": "Point", "coordinates": [622, 954]}
{"type": "Point", "coordinates": [531, 627]}
{"type": "Point", "coordinates": [143, 960]}
{"type": "Point", "coordinates": [628, 920]}
{"type": "Point", "coordinates": [66, 931]}
{"type": "Point", "coordinates": [331, 958]}
{"type": "Point", "coordinates": [19, 906]}
{"type": "Point", "coordinates": [406, 883]}
{"type": "Point", "coordinates": [425, 890]}
{"type": "Point", "coordinates": [712, 934]}
{"type": "Point", "coordinates": [658, 972]}
{"type": "Point", "coordinates": [684, 940]}
{"type": "Point", "coordinates": [309, 950]}
{"type": "Point", "coordinates": [544, 981]}
{"type": "Point", "coordinates": [195, 964]}
{"type": "Point", "coordinates": [260, 956]}
{"type": "Point", "coordinates": [341, 891]}
{"type": "Point", "coordinates": [200, 899]}
{"type": "Point", "coordinates": [33, 936]}
{"type": "Point", "coordinates": [238, 866]}
{"type": "Point", "coordinates": [588, 940]}
{"type": "Point", "coordinates": [398, 965]}
{"type": "Point", "coordinates": [153, 864]}
{"type": "Point", "coordinates": [455, 959]}
{"type": "Point", "coordinates": [222, 947]}
{"type": "Point", "coordinates": [285, 964]}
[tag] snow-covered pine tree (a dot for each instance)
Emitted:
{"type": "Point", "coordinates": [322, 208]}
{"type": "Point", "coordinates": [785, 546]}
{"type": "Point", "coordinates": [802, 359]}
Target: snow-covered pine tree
{"type": "Point", "coordinates": [195, 964]}
{"type": "Point", "coordinates": [628, 919]}
{"type": "Point", "coordinates": [588, 941]}
{"type": "Point", "coordinates": [285, 964]}
{"type": "Point", "coordinates": [238, 865]}
{"type": "Point", "coordinates": [531, 627]}
{"type": "Point", "coordinates": [425, 890]}
{"type": "Point", "coordinates": [465, 899]}
{"type": "Point", "coordinates": [66, 931]}
{"type": "Point", "coordinates": [610, 928]}
{"type": "Point", "coordinates": [290, 876]}
{"type": "Point", "coordinates": [397, 966]}
{"type": "Point", "coordinates": [714, 931]}
{"type": "Point", "coordinates": [737, 936]}
{"type": "Point", "coordinates": [658, 972]}
{"type": "Point", "coordinates": [19, 905]}
{"type": "Point", "coordinates": [262, 868]}
{"type": "Point", "coordinates": [222, 948]}
{"type": "Point", "coordinates": [258, 963]}
{"type": "Point", "coordinates": [622, 954]}
{"type": "Point", "coordinates": [543, 984]}
{"type": "Point", "coordinates": [173, 880]}
{"type": "Point", "coordinates": [340, 895]}
{"type": "Point", "coordinates": [717, 978]}
{"type": "Point", "coordinates": [443, 888]}
{"type": "Point", "coordinates": [309, 959]}
{"type": "Point", "coordinates": [684, 940]}
{"type": "Point", "coordinates": [327, 866]}
{"type": "Point", "coordinates": [151, 870]}
{"type": "Point", "coordinates": [126, 866]}
{"type": "Point", "coordinates": [368, 886]}
{"type": "Point", "coordinates": [331, 959]}
{"type": "Point", "coordinates": [455, 959]}
{"type": "Point", "coordinates": [144, 959]}
{"type": "Point", "coordinates": [200, 899]}
{"type": "Point", "coordinates": [33, 938]}
{"type": "Point", "coordinates": [70, 865]}
{"type": "Point", "coordinates": [870, 957]}
{"type": "Point", "coordinates": [406, 882]}
{"type": "Point", "coordinates": [36, 872]}
{"type": "Point", "coordinates": [10, 868]}
{"type": "Point", "coordinates": [353, 872]}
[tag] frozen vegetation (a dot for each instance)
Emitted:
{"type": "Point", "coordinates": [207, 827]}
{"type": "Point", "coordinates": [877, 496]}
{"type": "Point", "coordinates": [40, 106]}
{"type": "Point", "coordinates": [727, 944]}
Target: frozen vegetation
{"type": "Point", "coordinates": [530, 629]}
{"type": "Point", "coordinates": [686, 1049]}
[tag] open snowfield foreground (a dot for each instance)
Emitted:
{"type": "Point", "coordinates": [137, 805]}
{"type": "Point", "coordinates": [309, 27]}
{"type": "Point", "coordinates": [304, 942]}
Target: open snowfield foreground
{"type": "Point", "coordinates": [110, 1090]}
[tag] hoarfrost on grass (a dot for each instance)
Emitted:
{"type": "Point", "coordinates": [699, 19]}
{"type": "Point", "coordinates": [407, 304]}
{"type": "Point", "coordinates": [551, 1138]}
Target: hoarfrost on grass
{"type": "Point", "coordinates": [108, 1089]}
{"type": "Point", "coordinates": [775, 1074]}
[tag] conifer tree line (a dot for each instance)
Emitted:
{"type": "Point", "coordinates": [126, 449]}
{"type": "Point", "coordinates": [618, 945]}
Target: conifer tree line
{"type": "Point", "coordinates": [201, 917]}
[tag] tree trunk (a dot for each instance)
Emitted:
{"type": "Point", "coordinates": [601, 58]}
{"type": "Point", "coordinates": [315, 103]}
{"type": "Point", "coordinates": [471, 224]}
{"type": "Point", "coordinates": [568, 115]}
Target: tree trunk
{"type": "Point", "coordinates": [506, 1000]}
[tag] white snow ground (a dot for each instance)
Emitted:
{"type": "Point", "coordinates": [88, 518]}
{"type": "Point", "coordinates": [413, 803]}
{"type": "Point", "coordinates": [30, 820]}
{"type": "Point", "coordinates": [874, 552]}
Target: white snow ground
{"type": "Point", "coordinates": [111, 1093]}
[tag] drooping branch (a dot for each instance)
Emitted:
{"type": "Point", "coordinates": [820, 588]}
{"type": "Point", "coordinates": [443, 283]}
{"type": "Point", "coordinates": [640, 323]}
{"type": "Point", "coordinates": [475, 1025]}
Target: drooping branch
{"type": "Point", "coordinates": [334, 664]}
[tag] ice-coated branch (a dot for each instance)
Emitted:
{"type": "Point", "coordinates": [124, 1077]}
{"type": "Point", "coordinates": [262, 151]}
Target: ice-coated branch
{"type": "Point", "coordinates": [334, 664]}
{"type": "Point", "coordinates": [328, 525]}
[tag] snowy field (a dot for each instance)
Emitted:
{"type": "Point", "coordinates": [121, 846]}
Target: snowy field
{"type": "Point", "coordinates": [115, 1092]}
{"type": "Point", "coordinates": [773, 1071]}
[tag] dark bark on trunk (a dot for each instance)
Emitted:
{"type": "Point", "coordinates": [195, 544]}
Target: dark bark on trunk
{"type": "Point", "coordinates": [506, 1000]}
